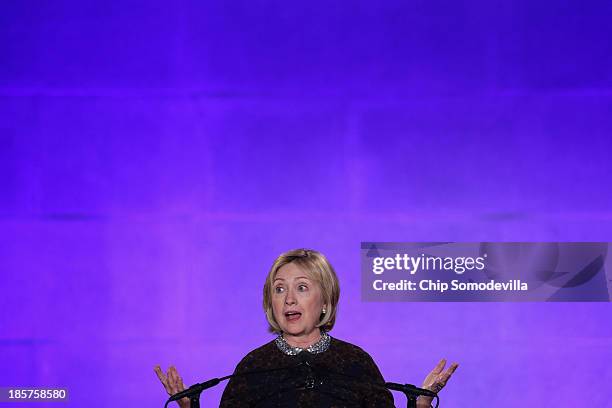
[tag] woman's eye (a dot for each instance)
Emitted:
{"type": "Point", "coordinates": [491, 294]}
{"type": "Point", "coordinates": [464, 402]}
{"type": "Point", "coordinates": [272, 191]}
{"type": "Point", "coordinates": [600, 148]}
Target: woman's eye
{"type": "Point", "coordinates": [302, 288]}
{"type": "Point", "coordinates": [279, 289]}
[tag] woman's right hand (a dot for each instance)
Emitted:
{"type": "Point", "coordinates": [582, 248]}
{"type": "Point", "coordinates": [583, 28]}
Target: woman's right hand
{"type": "Point", "coordinates": [173, 383]}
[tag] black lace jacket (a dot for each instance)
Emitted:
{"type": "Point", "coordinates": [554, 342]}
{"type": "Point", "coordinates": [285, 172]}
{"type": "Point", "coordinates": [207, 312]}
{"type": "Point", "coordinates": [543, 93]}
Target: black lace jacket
{"type": "Point", "coordinates": [342, 376]}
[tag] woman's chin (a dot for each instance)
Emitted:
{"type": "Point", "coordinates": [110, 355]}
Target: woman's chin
{"type": "Point", "coordinates": [299, 330]}
{"type": "Point", "coordinates": [293, 331]}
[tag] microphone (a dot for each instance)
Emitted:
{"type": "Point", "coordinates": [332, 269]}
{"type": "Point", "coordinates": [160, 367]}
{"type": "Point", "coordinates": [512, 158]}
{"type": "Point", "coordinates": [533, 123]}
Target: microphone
{"type": "Point", "coordinates": [410, 389]}
{"type": "Point", "coordinates": [307, 359]}
{"type": "Point", "coordinates": [195, 389]}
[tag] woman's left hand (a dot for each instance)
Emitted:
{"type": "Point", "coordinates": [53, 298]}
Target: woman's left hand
{"type": "Point", "coordinates": [436, 380]}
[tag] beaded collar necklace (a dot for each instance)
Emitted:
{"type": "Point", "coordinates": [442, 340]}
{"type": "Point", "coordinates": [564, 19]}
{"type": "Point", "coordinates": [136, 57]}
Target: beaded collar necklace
{"type": "Point", "coordinates": [319, 347]}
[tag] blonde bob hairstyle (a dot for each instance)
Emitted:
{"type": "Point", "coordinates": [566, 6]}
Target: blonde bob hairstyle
{"type": "Point", "coordinates": [319, 270]}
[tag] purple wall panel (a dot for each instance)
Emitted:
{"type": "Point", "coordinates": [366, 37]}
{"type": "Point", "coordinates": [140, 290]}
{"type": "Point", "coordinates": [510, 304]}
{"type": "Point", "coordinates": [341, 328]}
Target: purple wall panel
{"type": "Point", "coordinates": [154, 159]}
{"type": "Point", "coordinates": [503, 154]}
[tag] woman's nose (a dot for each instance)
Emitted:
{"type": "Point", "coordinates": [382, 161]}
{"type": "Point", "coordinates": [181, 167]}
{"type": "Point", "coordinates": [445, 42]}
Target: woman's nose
{"type": "Point", "coordinates": [290, 298]}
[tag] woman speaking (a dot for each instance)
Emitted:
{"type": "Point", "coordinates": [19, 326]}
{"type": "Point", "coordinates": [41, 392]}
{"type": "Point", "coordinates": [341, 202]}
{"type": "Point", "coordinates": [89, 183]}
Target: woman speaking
{"type": "Point", "coordinates": [304, 366]}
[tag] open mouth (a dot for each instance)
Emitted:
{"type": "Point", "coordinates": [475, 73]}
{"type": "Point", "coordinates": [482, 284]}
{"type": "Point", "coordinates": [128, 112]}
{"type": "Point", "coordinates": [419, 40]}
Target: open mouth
{"type": "Point", "coordinates": [292, 316]}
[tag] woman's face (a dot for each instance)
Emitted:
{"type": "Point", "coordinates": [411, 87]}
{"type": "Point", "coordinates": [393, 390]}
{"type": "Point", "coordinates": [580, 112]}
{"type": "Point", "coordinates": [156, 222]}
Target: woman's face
{"type": "Point", "coordinates": [296, 301]}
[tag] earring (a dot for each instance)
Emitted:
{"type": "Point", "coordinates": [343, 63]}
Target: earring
{"type": "Point", "coordinates": [323, 311]}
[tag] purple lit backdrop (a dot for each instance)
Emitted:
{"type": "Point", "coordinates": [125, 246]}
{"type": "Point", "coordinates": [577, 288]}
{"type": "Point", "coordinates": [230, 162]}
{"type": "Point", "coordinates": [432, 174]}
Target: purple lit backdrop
{"type": "Point", "coordinates": [155, 158]}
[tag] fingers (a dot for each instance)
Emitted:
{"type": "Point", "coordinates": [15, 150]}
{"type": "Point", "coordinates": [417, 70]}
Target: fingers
{"type": "Point", "coordinates": [163, 378]}
{"type": "Point", "coordinates": [449, 371]}
{"type": "Point", "coordinates": [181, 385]}
{"type": "Point", "coordinates": [174, 377]}
{"type": "Point", "coordinates": [177, 379]}
{"type": "Point", "coordinates": [438, 377]}
{"type": "Point", "coordinates": [172, 381]}
{"type": "Point", "coordinates": [443, 378]}
{"type": "Point", "coordinates": [160, 374]}
{"type": "Point", "coordinates": [439, 367]}
{"type": "Point", "coordinates": [171, 374]}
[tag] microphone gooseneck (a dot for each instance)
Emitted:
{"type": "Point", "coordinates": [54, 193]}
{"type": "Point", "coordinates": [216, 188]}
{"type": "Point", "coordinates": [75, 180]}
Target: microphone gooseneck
{"type": "Point", "coordinates": [410, 389]}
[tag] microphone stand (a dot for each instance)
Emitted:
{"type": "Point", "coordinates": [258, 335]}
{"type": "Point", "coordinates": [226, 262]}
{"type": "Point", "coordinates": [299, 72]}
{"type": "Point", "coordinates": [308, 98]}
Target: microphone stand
{"type": "Point", "coordinates": [193, 392]}
{"type": "Point", "coordinates": [412, 400]}
{"type": "Point", "coordinates": [411, 392]}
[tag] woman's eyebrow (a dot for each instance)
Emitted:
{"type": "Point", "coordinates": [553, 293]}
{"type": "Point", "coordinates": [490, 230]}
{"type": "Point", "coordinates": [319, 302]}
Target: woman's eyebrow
{"type": "Point", "coordinates": [296, 278]}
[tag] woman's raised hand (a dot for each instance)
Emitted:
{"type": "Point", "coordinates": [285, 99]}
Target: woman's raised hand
{"type": "Point", "coordinates": [173, 383]}
{"type": "Point", "coordinates": [436, 380]}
